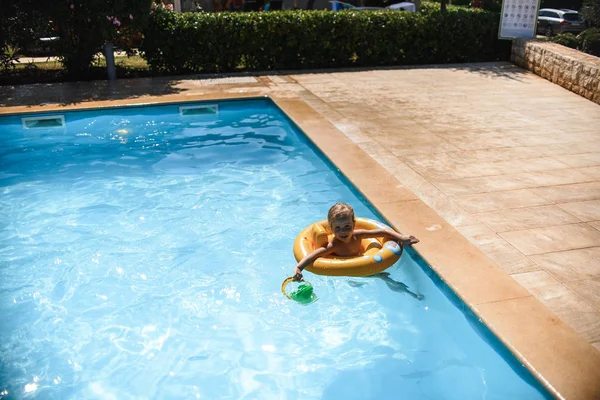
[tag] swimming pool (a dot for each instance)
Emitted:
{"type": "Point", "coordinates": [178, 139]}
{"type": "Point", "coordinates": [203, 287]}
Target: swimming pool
{"type": "Point", "coordinates": [142, 253]}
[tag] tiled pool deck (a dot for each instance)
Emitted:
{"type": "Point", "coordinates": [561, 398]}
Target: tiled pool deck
{"type": "Point", "coordinates": [496, 170]}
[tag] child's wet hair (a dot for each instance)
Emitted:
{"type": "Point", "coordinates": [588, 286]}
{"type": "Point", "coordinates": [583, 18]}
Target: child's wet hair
{"type": "Point", "coordinates": [339, 210]}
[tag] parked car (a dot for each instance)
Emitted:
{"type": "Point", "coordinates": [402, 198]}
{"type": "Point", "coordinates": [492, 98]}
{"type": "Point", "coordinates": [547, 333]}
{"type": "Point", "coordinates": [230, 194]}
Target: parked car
{"type": "Point", "coordinates": [552, 21]}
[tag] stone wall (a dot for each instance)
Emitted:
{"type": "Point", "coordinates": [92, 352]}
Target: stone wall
{"type": "Point", "coordinates": [571, 69]}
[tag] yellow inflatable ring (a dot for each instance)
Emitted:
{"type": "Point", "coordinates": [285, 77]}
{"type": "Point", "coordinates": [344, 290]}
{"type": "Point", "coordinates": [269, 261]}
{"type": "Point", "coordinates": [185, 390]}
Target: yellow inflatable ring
{"type": "Point", "coordinates": [377, 255]}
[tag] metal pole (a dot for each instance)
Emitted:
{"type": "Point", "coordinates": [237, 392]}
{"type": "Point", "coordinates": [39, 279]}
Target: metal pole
{"type": "Point", "coordinates": [109, 55]}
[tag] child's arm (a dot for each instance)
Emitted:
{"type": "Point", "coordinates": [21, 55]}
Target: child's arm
{"type": "Point", "coordinates": [310, 258]}
{"type": "Point", "coordinates": [406, 240]}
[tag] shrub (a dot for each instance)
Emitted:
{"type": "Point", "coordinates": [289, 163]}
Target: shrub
{"type": "Point", "coordinates": [22, 24]}
{"type": "Point", "coordinates": [492, 5]}
{"type": "Point", "coordinates": [8, 59]}
{"type": "Point", "coordinates": [83, 26]}
{"type": "Point", "coordinates": [590, 41]}
{"type": "Point", "coordinates": [587, 41]}
{"type": "Point", "coordinates": [489, 5]}
{"type": "Point", "coordinates": [591, 12]}
{"type": "Point", "coordinates": [566, 39]}
{"type": "Point", "coordinates": [214, 42]}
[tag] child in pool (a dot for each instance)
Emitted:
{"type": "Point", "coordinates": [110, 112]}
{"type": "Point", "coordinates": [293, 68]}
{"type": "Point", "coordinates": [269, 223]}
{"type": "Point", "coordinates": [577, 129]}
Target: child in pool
{"type": "Point", "coordinates": [346, 241]}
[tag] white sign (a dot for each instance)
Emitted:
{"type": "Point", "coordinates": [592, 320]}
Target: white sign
{"type": "Point", "coordinates": [518, 18]}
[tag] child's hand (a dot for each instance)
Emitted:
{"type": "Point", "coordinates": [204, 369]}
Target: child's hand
{"type": "Point", "coordinates": [297, 275]}
{"type": "Point", "coordinates": [408, 240]}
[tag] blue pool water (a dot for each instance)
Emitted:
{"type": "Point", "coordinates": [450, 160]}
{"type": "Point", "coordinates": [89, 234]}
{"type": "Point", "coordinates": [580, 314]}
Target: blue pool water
{"type": "Point", "coordinates": [141, 257]}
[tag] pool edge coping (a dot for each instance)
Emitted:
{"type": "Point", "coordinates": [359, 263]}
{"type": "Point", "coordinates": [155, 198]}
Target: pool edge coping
{"type": "Point", "coordinates": [493, 309]}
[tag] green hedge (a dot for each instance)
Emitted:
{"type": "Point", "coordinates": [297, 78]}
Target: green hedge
{"type": "Point", "coordinates": [587, 41]}
{"type": "Point", "coordinates": [219, 42]}
{"type": "Point", "coordinates": [566, 39]}
{"type": "Point", "coordinates": [590, 41]}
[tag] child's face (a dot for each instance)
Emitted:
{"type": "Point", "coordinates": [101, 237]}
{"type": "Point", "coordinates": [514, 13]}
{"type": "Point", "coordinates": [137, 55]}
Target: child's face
{"type": "Point", "coordinates": [342, 228]}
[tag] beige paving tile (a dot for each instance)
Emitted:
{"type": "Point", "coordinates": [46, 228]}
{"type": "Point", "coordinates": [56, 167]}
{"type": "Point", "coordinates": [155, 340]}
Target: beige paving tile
{"type": "Point", "coordinates": [571, 265]}
{"type": "Point", "coordinates": [378, 185]}
{"type": "Point", "coordinates": [572, 148]}
{"type": "Point", "coordinates": [474, 143]}
{"type": "Point", "coordinates": [579, 160]}
{"type": "Point", "coordinates": [556, 177]}
{"type": "Point", "coordinates": [591, 171]}
{"type": "Point", "coordinates": [453, 170]}
{"type": "Point", "coordinates": [362, 112]}
{"type": "Point", "coordinates": [442, 126]}
{"type": "Point", "coordinates": [314, 78]}
{"type": "Point", "coordinates": [343, 124]}
{"type": "Point", "coordinates": [558, 137]}
{"type": "Point", "coordinates": [477, 134]}
{"type": "Point", "coordinates": [542, 340]}
{"type": "Point", "coordinates": [532, 165]}
{"type": "Point", "coordinates": [445, 207]}
{"type": "Point", "coordinates": [430, 195]}
{"type": "Point", "coordinates": [299, 111]}
{"type": "Point", "coordinates": [497, 249]}
{"type": "Point", "coordinates": [460, 269]}
{"type": "Point", "coordinates": [396, 125]}
{"type": "Point", "coordinates": [458, 187]}
{"type": "Point", "coordinates": [584, 210]}
{"type": "Point", "coordinates": [588, 290]}
{"type": "Point", "coordinates": [354, 134]}
{"type": "Point", "coordinates": [589, 111]}
{"type": "Point", "coordinates": [557, 238]}
{"type": "Point", "coordinates": [391, 139]}
{"type": "Point", "coordinates": [526, 218]}
{"type": "Point", "coordinates": [578, 314]}
{"type": "Point", "coordinates": [280, 79]}
{"type": "Point", "coordinates": [344, 156]}
{"type": "Point", "coordinates": [408, 147]}
{"type": "Point", "coordinates": [379, 152]}
{"type": "Point", "coordinates": [474, 156]}
{"type": "Point", "coordinates": [510, 182]}
{"type": "Point", "coordinates": [535, 280]}
{"type": "Point", "coordinates": [569, 193]}
{"type": "Point", "coordinates": [482, 202]}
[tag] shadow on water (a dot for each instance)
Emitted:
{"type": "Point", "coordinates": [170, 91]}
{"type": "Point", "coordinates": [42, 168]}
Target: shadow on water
{"type": "Point", "coordinates": [480, 328]}
{"type": "Point", "coordinates": [393, 376]}
{"type": "Point", "coordinates": [395, 286]}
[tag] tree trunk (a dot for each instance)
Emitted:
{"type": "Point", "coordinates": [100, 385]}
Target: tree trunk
{"type": "Point", "coordinates": [443, 6]}
{"type": "Point", "coordinates": [310, 4]}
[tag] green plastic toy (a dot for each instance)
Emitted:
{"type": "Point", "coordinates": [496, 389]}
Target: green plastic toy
{"type": "Point", "coordinates": [304, 294]}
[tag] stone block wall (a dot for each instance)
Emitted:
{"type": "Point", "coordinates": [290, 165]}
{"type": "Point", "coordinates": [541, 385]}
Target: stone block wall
{"type": "Point", "coordinates": [569, 68]}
